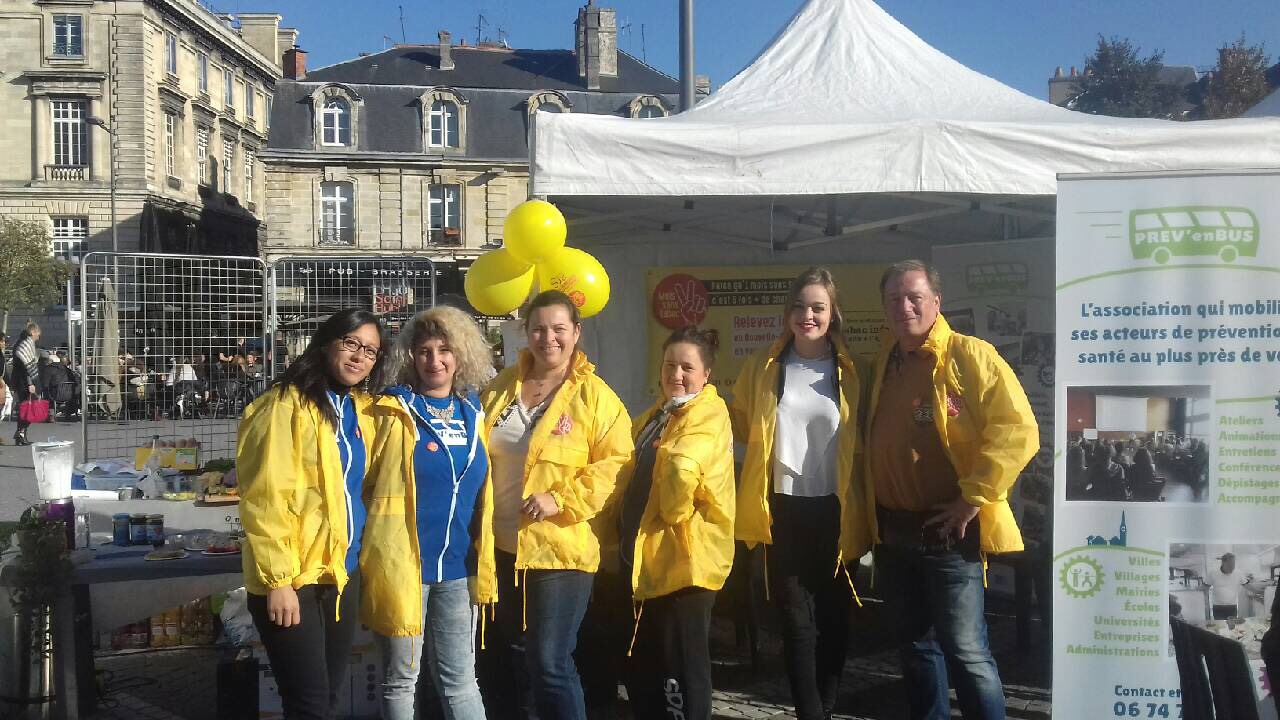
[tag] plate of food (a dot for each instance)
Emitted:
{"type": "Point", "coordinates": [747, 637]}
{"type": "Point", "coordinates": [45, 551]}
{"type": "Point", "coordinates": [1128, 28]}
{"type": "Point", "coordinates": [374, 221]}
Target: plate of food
{"type": "Point", "coordinates": [166, 554]}
{"type": "Point", "coordinates": [222, 545]}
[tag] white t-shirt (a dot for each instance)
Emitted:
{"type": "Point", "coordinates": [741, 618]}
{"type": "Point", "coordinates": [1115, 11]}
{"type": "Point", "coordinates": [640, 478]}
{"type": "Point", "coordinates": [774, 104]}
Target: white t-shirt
{"type": "Point", "coordinates": [508, 448]}
{"type": "Point", "coordinates": [804, 442]}
{"type": "Point", "coordinates": [1226, 587]}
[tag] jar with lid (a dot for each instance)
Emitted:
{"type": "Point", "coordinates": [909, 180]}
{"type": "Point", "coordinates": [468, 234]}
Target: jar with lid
{"type": "Point", "coordinates": [155, 529]}
{"type": "Point", "coordinates": [138, 529]}
{"type": "Point", "coordinates": [120, 529]}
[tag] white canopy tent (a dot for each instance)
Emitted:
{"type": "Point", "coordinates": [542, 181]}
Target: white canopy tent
{"type": "Point", "coordinates": [848, 139]}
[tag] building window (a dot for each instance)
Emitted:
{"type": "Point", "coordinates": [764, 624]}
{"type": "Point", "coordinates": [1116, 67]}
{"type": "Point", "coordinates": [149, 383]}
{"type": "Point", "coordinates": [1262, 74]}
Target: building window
{"type": "Point", "coordinates": [548, 101]}
{"type": "Point", "coordinates": [170, 143]}
{"type": "Point", "coordinates": [228, 90]}
{"type": "Point", "coordinates": [68, 35]}
{"type": "Point", "coordinates": [268, 118]}
{"type": "Point", "coordinates": [248, 101]}
{"type": "Point", "coordinates": [335, 123]}
{"type": "Point", "coordinates": [171, 53]}
{"type": "Point", "coordinates": [249, 158]}
{"type": "Point", "coordinates": [445, 215]}
{"type": "Point", "coordinates": [202, 155]}
{"type": "Point", "coordinates": [336, 211]}
{"type": "Point", "coordinates": [648, 106]}
{"type": "Point", "coordinates": [202, 71]}
{"type": "Point", "coordinates": [69, 235]}
{"type": "Point", "coordinates": [228, 157]}
{"type": "Point", "coordinates": [650, 111]}
{"type": "Point", "coordinates": [444, 124]}
{"type": "Point", "coordinates": [69, 136]}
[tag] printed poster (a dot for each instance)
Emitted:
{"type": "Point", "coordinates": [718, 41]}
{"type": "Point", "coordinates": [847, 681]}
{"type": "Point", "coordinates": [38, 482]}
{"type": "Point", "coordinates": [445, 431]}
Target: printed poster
{"type": "Point", "coordinates": [1167, 476]}
{"type": "Point", "coordinates": [744, 305]}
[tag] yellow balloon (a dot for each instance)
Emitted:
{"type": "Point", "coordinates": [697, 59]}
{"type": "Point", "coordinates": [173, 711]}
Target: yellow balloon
{"type": "Point", "coordinates": [578, 275]}
{"type": "Point", "coordinates": [497, 283]}
{"type": "Point", "coordinates": [534, 231]}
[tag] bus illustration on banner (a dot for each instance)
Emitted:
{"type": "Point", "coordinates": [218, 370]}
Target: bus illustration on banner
{"type": "Point", "coordinates": [1163, 233]}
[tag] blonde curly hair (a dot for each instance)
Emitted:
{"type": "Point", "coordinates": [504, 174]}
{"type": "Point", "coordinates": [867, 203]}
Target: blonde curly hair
{"type": "Point", "coordinates": [460, 332]}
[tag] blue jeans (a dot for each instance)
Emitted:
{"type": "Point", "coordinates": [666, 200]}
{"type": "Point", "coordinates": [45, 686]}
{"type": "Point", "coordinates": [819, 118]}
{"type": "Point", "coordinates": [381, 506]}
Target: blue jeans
{"type": "Point", "coordinates": [529, 672]}
{"type": "Point", "coordinates": [450, 621]}
{"type": "Point", "coordinates": [937, 599]}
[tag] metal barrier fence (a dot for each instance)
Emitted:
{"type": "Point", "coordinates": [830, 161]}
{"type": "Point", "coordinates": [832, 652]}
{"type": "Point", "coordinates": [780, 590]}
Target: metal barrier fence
{"type": "Point", "coordinates": [306, 290]}
{"type": "Point", "coordinates": [172, 347]}
{"type": "Point", "coordinates": [175, 346]}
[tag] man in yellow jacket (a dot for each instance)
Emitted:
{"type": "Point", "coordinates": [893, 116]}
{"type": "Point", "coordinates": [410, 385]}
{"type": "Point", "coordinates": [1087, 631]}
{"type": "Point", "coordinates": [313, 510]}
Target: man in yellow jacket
{"type": "Point", "coordinates": [949, 430]}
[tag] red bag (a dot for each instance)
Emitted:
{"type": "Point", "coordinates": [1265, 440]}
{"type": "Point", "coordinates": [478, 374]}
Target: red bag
{"type": "Point", "coordinates": [33, 411]}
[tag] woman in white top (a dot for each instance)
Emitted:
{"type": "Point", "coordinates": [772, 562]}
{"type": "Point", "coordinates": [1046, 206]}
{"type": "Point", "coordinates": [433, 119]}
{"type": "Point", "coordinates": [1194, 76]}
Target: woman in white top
{"type": "Point", "coordinates": [795, 405]}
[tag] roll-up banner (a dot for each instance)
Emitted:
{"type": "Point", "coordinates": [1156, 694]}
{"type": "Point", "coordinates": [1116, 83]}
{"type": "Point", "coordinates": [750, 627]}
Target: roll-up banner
{"type": "Point", "coordinates": [1167, 469]}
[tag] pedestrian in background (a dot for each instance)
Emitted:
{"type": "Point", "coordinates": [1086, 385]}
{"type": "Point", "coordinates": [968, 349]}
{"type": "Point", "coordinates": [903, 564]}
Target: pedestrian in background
{"type": "Point", "coordinates": [796, 405]}
{"type": "Point", "coordinates": [557, 438]}
{"type": "Point", "coordinates": [427, 471]}
{"type": "Point", "coordinates": [676, 531]}
{"type": "Point", "coordinates": [301, 460]}
{"type": "Point", "coordinates": [25, 376]}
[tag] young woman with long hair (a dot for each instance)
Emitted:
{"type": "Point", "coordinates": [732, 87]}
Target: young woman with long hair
{"type": "Point", "coordinates": [301, 456]}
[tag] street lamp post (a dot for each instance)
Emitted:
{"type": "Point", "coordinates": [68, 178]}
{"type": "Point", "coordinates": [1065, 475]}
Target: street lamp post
{"type": "Point", "coordinates": [111, 133]}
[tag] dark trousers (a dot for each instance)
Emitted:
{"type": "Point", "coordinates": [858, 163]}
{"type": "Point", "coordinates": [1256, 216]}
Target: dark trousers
{"type": "Point", "coordinates": [813, 600]}
{"type": "Point", "coordinates": [310, 660]}
{"type": "Point", "coordinates": [1271, 650]}
{"type": "Point", "coordinates": [602, 643]}
{"type": "Point", "coordinates": [670, 671]}
{"type": "Point", "coordinates": [530, 672]}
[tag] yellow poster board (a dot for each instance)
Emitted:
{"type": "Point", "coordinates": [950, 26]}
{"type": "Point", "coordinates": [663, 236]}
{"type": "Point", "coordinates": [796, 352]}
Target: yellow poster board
{"type": "Point", "coordinates": [745, 305]}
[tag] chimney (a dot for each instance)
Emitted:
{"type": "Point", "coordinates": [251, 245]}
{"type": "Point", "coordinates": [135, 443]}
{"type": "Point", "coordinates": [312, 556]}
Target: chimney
{"type": "Point", "coordinates": [262, 32]}
{"type": "Point", "coordinates": [597, 44]}
{"type": "Point", "coordinates": [285, 39]}
{"type": "Point", "coordinates": [701, 86]}
{"type": "Point", "coordinates": [295, 63]}
{"type": "Point", "coordinates": [1074, 72]}
{"type": "Point", "coordinates": [1057, 72]}
{"type": "Point", "coordinates": [446, 50]}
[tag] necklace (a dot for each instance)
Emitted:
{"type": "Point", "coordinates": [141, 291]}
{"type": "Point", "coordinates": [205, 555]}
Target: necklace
{"type": "Point", "coordinates": [444, 413]}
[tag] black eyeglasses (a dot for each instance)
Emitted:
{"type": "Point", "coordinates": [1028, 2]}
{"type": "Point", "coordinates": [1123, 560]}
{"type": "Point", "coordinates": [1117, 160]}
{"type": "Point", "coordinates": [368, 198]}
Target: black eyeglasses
{"type": "Point", "coordinates": [352, 345]}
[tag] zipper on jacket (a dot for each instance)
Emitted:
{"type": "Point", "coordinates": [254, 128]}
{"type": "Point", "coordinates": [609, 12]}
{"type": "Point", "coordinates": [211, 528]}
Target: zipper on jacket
{"type": "Point", "coordinates": [346, 466]}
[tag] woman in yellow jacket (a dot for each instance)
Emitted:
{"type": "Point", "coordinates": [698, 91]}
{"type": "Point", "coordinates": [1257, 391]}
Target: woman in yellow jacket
{"type": "Point", "coordinates": [427, 471]}
{"type": "Point", "coordinates": [676, 531]}
{"type": "Point", "coordinates": [557, 438]}
{"type": "Point", "coordinates": [301, 457]}
{"type": "Point", "coordinates": [796, 406]}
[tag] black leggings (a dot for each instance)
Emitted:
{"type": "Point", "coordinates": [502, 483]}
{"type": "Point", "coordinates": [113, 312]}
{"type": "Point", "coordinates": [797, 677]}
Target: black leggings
{"type": "Point", "coordinates": [670, 673]}
{"type": "Point", "coordinates": [310, 660]}
{"type": "Point", "coordinates": [813, 600]}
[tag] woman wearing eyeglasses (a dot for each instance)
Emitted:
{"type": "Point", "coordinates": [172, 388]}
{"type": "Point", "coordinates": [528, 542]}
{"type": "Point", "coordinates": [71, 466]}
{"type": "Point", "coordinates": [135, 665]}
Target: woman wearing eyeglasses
{"type": "Point", "coordinates": [301, 457]}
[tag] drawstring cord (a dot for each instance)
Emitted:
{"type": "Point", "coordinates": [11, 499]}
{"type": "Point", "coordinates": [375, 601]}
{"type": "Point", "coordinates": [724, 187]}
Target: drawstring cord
{"type": "Point", "coordinates": [482, 627]}
{"type": "Point", "coordinates": [984, 569]}
{"type": "Point", "coordinates": [840, 565]}
{"type": "Point", "coordinates": [637, 609]}
{"type": "Point", "coordinates": [524, 598]}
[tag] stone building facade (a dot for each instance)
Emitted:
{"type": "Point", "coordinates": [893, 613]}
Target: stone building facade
{"type": "Point", "coordinates": [188, 94]}
{"type": "Point", "coordinates": [423, 149]}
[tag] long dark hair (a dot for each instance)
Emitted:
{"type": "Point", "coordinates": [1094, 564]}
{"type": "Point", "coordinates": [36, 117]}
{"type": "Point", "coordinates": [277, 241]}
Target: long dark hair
{"type": "Point", "coordinates": [310, 372]}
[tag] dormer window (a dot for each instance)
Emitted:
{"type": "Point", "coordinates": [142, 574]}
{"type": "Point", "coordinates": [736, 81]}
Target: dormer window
{"type": "Point", "coordinates": [444, 124]}
{"type": "Point", "coordinates": [337, 117]}
{"type": "Point", "coordinates": [444, 119]}
{"type": "Point", "coordinates": [336, 122]}
{"type": "Point", "coordinates": [548, 101]}
{"type": "Point", "coordinates": [648, 106]}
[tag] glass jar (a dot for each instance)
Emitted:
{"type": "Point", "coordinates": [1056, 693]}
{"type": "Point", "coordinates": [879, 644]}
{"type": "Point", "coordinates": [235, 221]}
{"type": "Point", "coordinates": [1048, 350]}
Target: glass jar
{"type": "Point", "coordinates": [120, 529]}
{"type": "Point", "coordinates": [138, 529]}
{"type": "Point", "coordinates": [155, 529]}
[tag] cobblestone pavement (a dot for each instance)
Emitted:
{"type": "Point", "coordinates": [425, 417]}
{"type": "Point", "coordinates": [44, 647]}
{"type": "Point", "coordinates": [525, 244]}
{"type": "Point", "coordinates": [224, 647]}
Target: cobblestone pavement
{"type": "Point", "coordinates": [180, 684]}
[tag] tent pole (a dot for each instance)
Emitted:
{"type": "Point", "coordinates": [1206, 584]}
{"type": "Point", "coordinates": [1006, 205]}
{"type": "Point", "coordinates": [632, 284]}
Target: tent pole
{"type": "Point", "coordinates": [686, 55]}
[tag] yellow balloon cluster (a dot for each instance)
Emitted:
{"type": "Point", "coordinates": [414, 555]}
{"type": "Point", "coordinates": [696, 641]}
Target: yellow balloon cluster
{"type": "Point", "coordinates": [534, 233]}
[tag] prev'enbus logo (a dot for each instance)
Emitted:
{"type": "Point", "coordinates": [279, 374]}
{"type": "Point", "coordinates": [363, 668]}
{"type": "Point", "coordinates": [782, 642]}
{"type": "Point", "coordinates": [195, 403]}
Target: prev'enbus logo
{"type": "Point", "coordinates": [1163, 233]}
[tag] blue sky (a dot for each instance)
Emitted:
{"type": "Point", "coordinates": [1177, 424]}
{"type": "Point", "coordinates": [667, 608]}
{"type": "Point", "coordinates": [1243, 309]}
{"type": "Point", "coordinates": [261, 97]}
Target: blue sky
{"type": "Point", "coordinates": [1019, 42]}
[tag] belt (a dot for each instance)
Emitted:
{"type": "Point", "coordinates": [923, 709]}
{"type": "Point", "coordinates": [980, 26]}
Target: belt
{"type": "Point", "coordinates": [908, 528]}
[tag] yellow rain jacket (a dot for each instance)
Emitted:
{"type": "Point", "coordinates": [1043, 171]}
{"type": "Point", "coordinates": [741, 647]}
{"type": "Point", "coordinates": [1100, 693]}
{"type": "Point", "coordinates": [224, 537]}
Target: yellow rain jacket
{"type": "Point", "coordinates": [576, 451]}
{"type": "Point", "coordinates": [984, 421]}
{"type": "Point", "coordinates": [390, 559]}
{"type": "Point", "coordinates": [292, 492]}
{"type": "Point", "coordinates": [686, 531]}
{"type": "Point", "coordinates": [755, 417]}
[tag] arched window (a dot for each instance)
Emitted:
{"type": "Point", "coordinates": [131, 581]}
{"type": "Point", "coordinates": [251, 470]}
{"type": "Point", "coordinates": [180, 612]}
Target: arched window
{"type": "Point", "coordinates": [548, 101]}
{"type": "Point", "coordinates": [650, 111]}
{"type": "Point", "coordinates": [648, 106]}
{"type": "Point", "coordinates": [443, 121]}
{"type": "Point", "coordinates": [335, 123]}
{"type": "Point", "coordinates": [337, 213]}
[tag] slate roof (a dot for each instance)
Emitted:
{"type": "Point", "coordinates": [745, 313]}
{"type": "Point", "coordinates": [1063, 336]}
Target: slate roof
{"type": "Point", "coordinates": [495, 82]}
